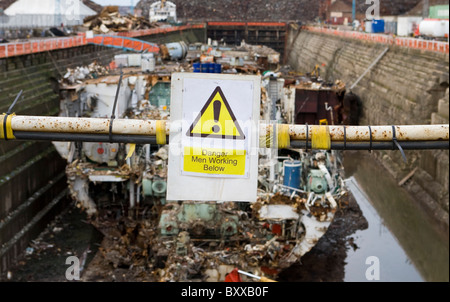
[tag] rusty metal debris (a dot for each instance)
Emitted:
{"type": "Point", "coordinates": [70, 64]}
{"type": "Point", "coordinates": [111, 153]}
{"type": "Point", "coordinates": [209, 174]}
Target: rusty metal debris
{"type": "Point", "coordinates": [233, 10]}
{"type": "Point", "coordinates": [122, 187]}
{"type": "Point", "coordinates": [81, 73]}
{"type": "Point", "coordinates": [109, 20]}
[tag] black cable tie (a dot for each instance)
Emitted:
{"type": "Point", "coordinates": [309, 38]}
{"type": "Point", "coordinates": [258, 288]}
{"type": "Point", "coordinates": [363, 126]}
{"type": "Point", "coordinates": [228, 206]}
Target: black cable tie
{"type": "Point", "coordinates": [5, 134]}
{"type": "Point", "coordinates": [396, 144]}
{"type": "Point", "coordinates": [371, 139]}
{"type": "Point", "coordinates": [307, 136]}
{"type": "Point", "coordinates": [345, 138]}
{"type": "Point", "coordinates": [110, 130]}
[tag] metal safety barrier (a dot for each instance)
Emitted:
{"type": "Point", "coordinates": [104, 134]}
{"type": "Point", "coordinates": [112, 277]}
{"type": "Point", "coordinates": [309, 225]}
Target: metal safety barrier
{"type": "Point", "coordinates": [47, 44]}
{"type": "Point", "coordinates": [41, 45]}
{"type": "Point", "coordinates": [420, 44]}
{"type": "Point", "coordinates": [302, 136]}
{"type": "Point", "coordinates": [257, 24]}
{"type": "Point", "coordinates": [158, 30]}
{"type": "Point", "coordinates": [125, 43]}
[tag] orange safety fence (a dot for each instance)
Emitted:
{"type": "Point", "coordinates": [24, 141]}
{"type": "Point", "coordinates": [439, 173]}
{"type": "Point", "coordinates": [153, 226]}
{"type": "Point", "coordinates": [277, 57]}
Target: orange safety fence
{"type": "Point", "coordinates": [34, 46]}
{"type": "Point", "coordinates": [158, 30]}
{"type": "Point", "coordinates": [46, 44]}
{"type": "Point", "coordinates": [275, 24]}
{"type": "Point", "coordinates": [124, 43]}
{"type": "Point", "coordinates": [259, 24]}
{"type": "Point", "coordinates": [428, 45]}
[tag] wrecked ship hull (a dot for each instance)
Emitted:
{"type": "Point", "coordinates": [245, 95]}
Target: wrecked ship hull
{"type": "Point", "coordinates": [204, 241]}
{"type": "Point", "coordinates": [122, 188]}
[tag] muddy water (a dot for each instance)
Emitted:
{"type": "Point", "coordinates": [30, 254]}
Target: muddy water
{"type": "Point", "coordinates": [407, 245]}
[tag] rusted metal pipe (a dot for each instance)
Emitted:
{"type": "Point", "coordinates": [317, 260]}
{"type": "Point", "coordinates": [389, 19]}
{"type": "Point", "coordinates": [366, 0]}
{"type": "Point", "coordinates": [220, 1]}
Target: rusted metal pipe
{"type": "Point", "coordinates": [83, 125]}
{"type": "Point", "coordinates": [379, 133]}
{"type": "Point", "coordinates": [296, 132]}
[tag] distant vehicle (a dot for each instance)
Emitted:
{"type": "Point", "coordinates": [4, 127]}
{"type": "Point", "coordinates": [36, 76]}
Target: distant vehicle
{"type": "Point", "coordinates": [163, 11]}
{"type": "Point", "coordinates": [436, 29]}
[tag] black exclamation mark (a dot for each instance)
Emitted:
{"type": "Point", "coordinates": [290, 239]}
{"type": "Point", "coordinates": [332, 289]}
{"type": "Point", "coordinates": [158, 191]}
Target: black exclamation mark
{"type": "Point", "coordinates": [216, 108]}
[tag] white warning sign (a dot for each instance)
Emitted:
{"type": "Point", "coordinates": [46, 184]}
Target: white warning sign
{"type": "Point", "coordinates": [216, 141]}
{"type": "Point", "coordinates": [217, 136]}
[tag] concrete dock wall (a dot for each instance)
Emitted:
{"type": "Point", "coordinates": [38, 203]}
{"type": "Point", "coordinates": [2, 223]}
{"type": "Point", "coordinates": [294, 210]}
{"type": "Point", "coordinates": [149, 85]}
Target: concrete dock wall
{"type": "Point", "coordinates": [32, 179]}
{"type": "Point", "coordinates": [407, 86]}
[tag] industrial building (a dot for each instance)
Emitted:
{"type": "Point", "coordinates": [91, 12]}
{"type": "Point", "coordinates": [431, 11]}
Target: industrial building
{"type": "Point", "coordinates": [48, 13]}
{"type": "Point", "coordinates": [163, 11]}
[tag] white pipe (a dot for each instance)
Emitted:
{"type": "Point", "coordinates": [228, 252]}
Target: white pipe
{"type": "Point", "coordinates": [249, 275]}
{"type": "Point", "coordinates": [331, 200]}
{"type": "Point", "coordinates": [147, 156]}
{"type": "Point", "coordinates": [296, 132]}
{"type": "Point", "coordinates": [83, 125]}
{"type": "Point", "coordinates": [138, 195]}
{"type": "Point", "coordinates": [379, 133]}
{"type": "Point", "coordinates": [132, 197]}
{"type": "Point", "coordinates": [271, 167]}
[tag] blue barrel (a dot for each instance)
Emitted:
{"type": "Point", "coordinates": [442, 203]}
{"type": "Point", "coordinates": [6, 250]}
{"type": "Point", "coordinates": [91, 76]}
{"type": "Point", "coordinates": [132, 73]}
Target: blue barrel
{"type": "Point", "coordinates": [378, 26]}
{"type": "Point", "coordinates": [212, 67]}
{"type": "Point", "coordinates": [197, 67]}
{"type": "Point", "coordinates": [205, 67]}
{"type": "Point", "coordinates": [218, 68]}
{"type": "Point", "coordinates": [292, 173]}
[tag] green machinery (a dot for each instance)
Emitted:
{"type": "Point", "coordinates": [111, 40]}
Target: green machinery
{"type": "Point", "coordinates": [200, 219]}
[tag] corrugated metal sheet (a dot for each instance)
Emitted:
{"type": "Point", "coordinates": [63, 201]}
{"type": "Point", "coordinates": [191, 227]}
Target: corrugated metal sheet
{"type": "Point", "coordinates": [49, 7]}
{"type": "Point", "coordinates": [44, 13]}
{"type": "Point", "coordinates": [39, 21]}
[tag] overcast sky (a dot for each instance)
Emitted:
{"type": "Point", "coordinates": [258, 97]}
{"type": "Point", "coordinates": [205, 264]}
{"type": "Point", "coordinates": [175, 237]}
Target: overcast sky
{"type": "Point", "coordinates": [117, 2]}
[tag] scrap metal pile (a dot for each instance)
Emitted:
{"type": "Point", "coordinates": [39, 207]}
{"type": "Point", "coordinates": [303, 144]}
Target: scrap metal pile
{"type": "Point", "coordinates": [235, 10]}
{"type": "Point", "coordinates": [269, 10]}
{"type": "Point", "coordinates": [243, 59]}
{"type": "Point", "coordinates": [109, 20]}
{"type": "Point", "coordinates": [122, 187]}
{"type": "Point", "coordinates": [80, 73]}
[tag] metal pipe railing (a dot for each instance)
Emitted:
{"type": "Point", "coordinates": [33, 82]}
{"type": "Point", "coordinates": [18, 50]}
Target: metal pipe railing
{"type": "Point", "coordinates": [296, 132]}
{"type": "Point", "coordinates": [144, 131]}
{"type": "Point", "coordinates": [83, 125]}
{"type": "Point", "coordinates": [141, 139]}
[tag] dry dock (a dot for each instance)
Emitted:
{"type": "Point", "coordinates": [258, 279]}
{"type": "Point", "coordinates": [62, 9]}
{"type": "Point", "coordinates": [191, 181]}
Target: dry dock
{"type": "Point", "coordinates": [397, 212]}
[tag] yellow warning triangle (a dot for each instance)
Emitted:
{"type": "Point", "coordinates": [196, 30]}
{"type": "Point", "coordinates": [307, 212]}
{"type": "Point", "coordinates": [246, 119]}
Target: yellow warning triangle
{"type": "Point", "coordinates": [216, 119]}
